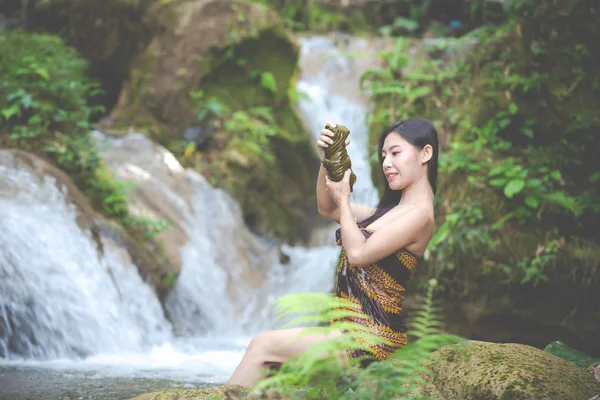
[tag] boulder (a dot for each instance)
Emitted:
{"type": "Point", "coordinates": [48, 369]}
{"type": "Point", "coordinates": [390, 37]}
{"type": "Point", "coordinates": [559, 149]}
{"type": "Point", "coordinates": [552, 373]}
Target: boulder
{"type": "Point", "coordinates": [226, 392]}
{"type": "Point", "coordinates": [108, 33]}
{"type": "Point", "coordinates": [484, 370]}
{"type": "Point", "coordinates": [472, 371]}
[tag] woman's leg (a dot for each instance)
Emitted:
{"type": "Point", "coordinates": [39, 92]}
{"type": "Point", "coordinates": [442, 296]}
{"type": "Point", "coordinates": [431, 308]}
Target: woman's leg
{"type": "Point", "coordinates": [276, 346]}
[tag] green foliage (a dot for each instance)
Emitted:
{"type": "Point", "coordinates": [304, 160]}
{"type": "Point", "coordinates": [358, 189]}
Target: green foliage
{"type": "Point", "coordinates": [400, 24]}
{"type": "Point", "coordinates": [323, 371]}
{"type": "Point", "coordinates": [516, 109]}
{"type": "Point", "coordinates": [253, 129]}
{"type": "Point", "coordinates": [303, 15]}
{"type": "Point", "coordinates": [44, 109]}
{"type": "Point", "coordinates": [533, 268]}
{"type": "Point", "coordinates": [170, 280]}
{"type": "Point", "coordinates": [207, 109]}
{"type": "Point", "coordinates": [256, 148]}
{"type": "Point", "coordinates": [148, 228]}
{"type": "Point", "coordinates": [398, 17]}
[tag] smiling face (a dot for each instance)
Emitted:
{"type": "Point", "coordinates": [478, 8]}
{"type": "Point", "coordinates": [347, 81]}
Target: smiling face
{"type": "Point", "coordinates": [403, 164]}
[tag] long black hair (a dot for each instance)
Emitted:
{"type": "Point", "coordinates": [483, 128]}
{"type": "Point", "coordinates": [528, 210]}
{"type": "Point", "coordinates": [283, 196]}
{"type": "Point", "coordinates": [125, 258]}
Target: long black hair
{"type": "Point", "coordinates": [418, 132]}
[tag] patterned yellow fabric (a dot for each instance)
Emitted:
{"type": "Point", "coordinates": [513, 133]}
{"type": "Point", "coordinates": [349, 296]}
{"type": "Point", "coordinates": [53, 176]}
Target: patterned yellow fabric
{"type": "Point", "coordinates": [375, 292]}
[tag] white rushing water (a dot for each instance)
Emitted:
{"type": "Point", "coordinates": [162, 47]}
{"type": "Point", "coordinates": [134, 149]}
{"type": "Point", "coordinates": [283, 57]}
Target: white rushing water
{"type": "Point", "coordinates": [77, 310]}
{"type": "Point", "coordinates": [58, 298]}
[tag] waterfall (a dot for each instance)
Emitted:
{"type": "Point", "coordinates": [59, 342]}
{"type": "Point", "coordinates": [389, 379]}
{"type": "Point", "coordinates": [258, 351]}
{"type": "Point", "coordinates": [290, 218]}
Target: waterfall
{"type": "Point", "coordinates": [323, 103]}
{"type": "Point", "coordinates": [58, 297]}
{"type": "Point", "coordinates": [66, 302]}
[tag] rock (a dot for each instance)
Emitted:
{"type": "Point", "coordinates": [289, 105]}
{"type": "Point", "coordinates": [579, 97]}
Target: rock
{"type": "Point", "coordinates": [218, 58]}
{"type": "Point", "coordinates": [177, 59]}
{"type": "Point", "coordinates": [484, 370]}
{"type": "Point", "coordinates": [108, 33]}
{"type": "Point", "coordinates": [198, 134]}
{"type": "Point", "coordinates": [150, 168]}
{"type": "Point", "coordinates": [473, 371]}
{"type": "Point", "coordinates": [197, 214]}
{"type": "Point", "coordinates": [225, 392]}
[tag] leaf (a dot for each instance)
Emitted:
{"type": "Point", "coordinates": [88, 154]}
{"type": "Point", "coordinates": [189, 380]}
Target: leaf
{"type": "Point", "coordinates": [10, 111]}
{"type": "Point", "coordinates": [441, 234]}
{"type": "Point", "coordinates": [419, 92]}
{"type": "Point", "coordinates": [531, 202]}
{"type": "Point", "coordinates": [513, 187]}
{"type": "Point", "coordinates": [527, 132]}
{"type": "Point", "coordinates": [556, 175]}
{"type": "Point", "coordinates": [498, 182]}
{"type": "Point", "coordinates": [42, 72]}
{"type": "Point", "coordinates": [267, 80]}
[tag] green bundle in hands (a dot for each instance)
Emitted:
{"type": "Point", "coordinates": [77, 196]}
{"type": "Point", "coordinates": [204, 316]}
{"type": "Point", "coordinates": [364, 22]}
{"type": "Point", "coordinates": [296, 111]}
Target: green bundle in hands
{"type": "Point", "coordinates": [336, 160]}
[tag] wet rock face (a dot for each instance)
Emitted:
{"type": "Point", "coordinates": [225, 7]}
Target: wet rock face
{"type": "Point", "coordinates": [201, 220]}
{"type": "Point", "coordinates": [107, 33]}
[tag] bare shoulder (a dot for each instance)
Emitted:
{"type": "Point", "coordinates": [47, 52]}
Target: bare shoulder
{"type": "Point", "coordinates": [424, 215]}
{"type": "Point", "coordinates": [409, 228]}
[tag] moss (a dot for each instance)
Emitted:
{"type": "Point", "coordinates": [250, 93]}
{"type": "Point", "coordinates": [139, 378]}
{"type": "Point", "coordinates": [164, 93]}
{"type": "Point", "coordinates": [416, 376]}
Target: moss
{"type": "Point", "coordinates": [275, 198]}
{"type": "Point", "coordinates": [506, 371]}
{"type": "Point", "coordinates": [232, 73]}
{"type": "Point", "coordinates": [229, 392]}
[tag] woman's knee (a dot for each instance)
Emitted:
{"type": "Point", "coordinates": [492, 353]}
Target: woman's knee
{"type": "Point", "coordinates": [260, 344]}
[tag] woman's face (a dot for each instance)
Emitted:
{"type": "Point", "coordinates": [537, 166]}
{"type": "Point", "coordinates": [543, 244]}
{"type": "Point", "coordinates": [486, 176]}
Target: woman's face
{"type": "Point", "coordinates": [402, 162]}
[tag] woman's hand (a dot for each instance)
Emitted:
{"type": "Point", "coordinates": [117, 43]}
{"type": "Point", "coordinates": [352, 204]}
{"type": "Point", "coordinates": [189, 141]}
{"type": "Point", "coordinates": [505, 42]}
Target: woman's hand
{"type": "Point", "coordinates": [339, 191]}
{"type": "Point", "coordinates": [326, 139]}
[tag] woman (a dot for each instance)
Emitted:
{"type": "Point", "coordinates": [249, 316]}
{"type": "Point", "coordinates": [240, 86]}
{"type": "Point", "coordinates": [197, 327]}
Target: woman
{"type": "Point", "coordinates": [377, 254]}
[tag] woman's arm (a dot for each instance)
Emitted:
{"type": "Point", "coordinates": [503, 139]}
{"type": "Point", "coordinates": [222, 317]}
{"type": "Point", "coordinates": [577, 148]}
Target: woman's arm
{"type": "Point", "coordinates": [325, 203]}
{"type": "Point", "coordinates": [385, 240]}
{"type": "Point", "coordinates": [326, 206]}
{"type": "Point", "coordinates": [330, 210]}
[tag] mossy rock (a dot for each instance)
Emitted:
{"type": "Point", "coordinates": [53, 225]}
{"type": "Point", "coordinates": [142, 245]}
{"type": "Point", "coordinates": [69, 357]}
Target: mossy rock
{"type": "Point", "coordinates": [176, 60]}
{"type": "Point", "coordinates": [494, 371]}
{"type": "Point", "coordinates": [239, 55]}
{"type": "Point", "coordinates": [225, 392]}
